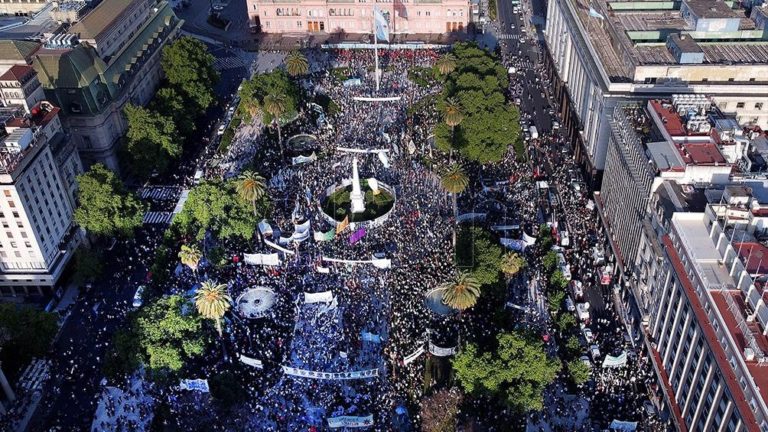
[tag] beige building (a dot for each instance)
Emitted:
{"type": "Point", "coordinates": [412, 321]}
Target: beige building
{"type": "Point", "coordinates": [21, 7]}
{"type": "Point", "coordinates": [348, 16]}
{"type": "Point", "coordinates": [623, 50]}
{"type": "Point", "coordinates": [20, 86]}
{"type": "Point", "coordinates": [107, 59]}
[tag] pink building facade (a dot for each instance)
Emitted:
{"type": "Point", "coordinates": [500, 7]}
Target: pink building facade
{"type": "Point", "coordinates": [356, 16]}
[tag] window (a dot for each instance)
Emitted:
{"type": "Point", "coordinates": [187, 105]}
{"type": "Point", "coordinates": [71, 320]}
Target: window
{"type": "Point", "coordinates": [751, 79]}
{"type": "Point", "coordinates": [27, 244]}
{"type": "Point", "coordinates": [9, 234]}
{"type": "Point", "coordinates": [731, 79]}
{"type": "Point", "coordinates": [758, 105]}
{"type": "Point", "coordinates": [20, 224]}
{"type": "Point", "coordinates": [15, 214]}
{"type": "Point", "coordinates": [11, 204]}
{"type": "Point", "coordinates": [7, 193]}
{"type": "Point", "coordinates": [740, 105]}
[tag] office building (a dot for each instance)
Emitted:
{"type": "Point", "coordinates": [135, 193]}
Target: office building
{"type": "Point", "coordinates": [350, 17]}
{"type": "Point", "coordinates": [603, 52]}
{"type": "Point", "coordinates": [108, 57]}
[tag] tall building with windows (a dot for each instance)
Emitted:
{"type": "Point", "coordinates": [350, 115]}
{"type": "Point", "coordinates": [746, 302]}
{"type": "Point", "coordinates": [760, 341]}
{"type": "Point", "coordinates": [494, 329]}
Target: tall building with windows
{"type": "Point", "coordinates": [106, 59]}
{"type": "Point", "coordinates": [356, 17]}
{"type": "Point", "coordinates": [602, 52]}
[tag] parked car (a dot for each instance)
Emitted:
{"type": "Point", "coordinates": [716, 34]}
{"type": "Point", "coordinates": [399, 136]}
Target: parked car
{"type": "Point", "coordinates": [594, 351]}
{"type": "Point", "coordinates": [569, 304]}
{"type": "Point", "coordinates": [585, 359]}
{"type": "Point", "coordinates": [582, 310]}
{"type": "Point", "coordinates": [221, 130]}
{"type": "Point", "coordinates": [587, 332]}
{"type": "Point", "coordinates": [137, 298]}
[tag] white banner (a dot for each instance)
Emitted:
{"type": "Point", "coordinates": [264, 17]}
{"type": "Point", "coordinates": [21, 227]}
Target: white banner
{"type": "Point", "coordinates": [440, 351]}
{"type": "Point", "coordinates": [376, 99]}
{"type": "Point", "coordinates": [623, 425]}
{"type": "Point", "coordinates": [304, 159]}
{"type": "Point", "coordinates": [370, 373]}
{"type": "Point", "coordinates": [321, 297]}
{"type": "Point", "coordinates": [528, 239]}
{"type": "Point", "coordinates": [200, 385]}
{"type": "Point", "coordinates": [413, 356]}
{"type": "Point", "coordinates": [619, 361]}
{"type": "Point", "coordinates": [262, 259]}
{"type": "Point", "coordinates": [321, 269]}
{"type": "Point", "coordinates": [278, 247]}
{"type": "Point", "coordinates": [517, 245]}
{"type": "Point", "coordinates": [382, 263]}
{"type": "Point", "coordinates": [301, 232]}
{"type": "Point", "coordinates": [384, 160]}
{"type": "Point", "coordinates": [350, 421]}
{"type": "Point", "coordinates": [378, 262]}
{"type": "Point", "coordinates": [251, 361]}
{"type": "Point", "coordinates": [471, 217]}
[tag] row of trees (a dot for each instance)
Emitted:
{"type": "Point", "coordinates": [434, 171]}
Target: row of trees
{"type": "Point", "coordinates": [478, 120]}
{"type": "Point", "coordinates": [156, 134]}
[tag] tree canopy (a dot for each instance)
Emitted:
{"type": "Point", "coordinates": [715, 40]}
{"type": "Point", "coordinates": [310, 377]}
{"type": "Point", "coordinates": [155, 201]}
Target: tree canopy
{"type": "Point", "coordinates": [106, 208]}
{"type": "Point", "coordinates": [168, 335]}
{"type": "Point", "coordinates": [517, 371]}
{"type": "Point", "coordinates": [217, 207]}
{"type": "Point", "coordinates": [439, 411]}
{"type": "Point", "coordinates": [276, 82]}
{"type": "Point", "coordinates": [152, 141]}
{"type": "Point", "coordinates": [188, 66]}
{"type": "Point", "coordinates": [171, 103]}
{"type": "Point", "coordinates": [25, 332]}
{"type": "Point", "coordinates": [479, 253]}
{"type": "Point", "coordinates": [579, 371]}
{"type": "Point", "coordinates": [477, 83]}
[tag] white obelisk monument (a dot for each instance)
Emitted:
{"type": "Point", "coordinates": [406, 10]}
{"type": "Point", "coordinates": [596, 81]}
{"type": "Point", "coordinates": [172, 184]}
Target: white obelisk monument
{"type": "Point", "coordinates": [358, 201]}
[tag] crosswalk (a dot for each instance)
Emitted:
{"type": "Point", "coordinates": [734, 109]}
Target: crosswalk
{"type": "Point", "coordinates": [231, 62]}
{"type": "Point", "coordinates": [510, 37]}
{"type": "Point", "coordinates": [157, 218]}
{"type": "Point", "coordinates": [160, 193]}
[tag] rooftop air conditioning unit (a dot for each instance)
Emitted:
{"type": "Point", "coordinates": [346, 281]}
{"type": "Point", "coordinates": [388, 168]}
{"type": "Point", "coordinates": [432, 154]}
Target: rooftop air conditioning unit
{"type": "Point", "coordinates": [749, 354]}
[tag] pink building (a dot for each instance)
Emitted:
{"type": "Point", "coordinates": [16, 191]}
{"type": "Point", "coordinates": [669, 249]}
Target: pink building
{"type": "Point", "coordinates": [351, 17]}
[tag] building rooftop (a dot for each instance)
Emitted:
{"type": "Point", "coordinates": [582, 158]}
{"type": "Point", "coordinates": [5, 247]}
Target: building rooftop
{"type": "Point", "coordinates": [702, 154]}
{"type": "Point", "coordinates": [635, 36]}
{"type": "Point", "coordinates": [17, 73]}
{"type": "Point", "coordinates": [34, 28]}
{"type": "Point", "coordinates": [754, 256]}
{"type": "Point", "coordinates": [101, 17]}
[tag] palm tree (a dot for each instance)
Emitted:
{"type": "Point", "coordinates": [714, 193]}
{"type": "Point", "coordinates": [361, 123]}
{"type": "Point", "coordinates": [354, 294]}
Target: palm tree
{"type": "Point", "coordinates": [511, 264]}
{"type": "Point", "coordinates": [446, 64]}
{"type": "Point", "coordinates": [453, 117]}
{"type": "Point", "coordinates": [454, 181]}
{"type": "Point", "coordinates": [296, 64]}
{"type": "Point", "coordinates": [190, 257]}
{"type": "Point", "coordinates": [276, 104]}
{"type": "Point", "coordinates": [212, 302]}
{"type": "Point", "coordinates": [461, 293]}
{"type": "Point", "coordinates": [251, 187]}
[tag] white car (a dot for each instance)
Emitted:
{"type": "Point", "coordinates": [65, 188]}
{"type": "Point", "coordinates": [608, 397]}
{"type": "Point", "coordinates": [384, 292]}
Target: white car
{"type": "Point", "coordinates": [588, 335]}
{"type": "Point", "coordinates": [137, 298]}
{"type": "Point", "coordinates": [594, 351]}
{"type": "Point", "coordinates": [569, 304]}
{"type": "Point", "coordinates": [221, 130]}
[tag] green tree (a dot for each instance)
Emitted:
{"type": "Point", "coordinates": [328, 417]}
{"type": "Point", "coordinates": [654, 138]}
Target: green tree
{"type": "Point", "coordinates": [454, 181]}
{"type": "Point", "coordinates": [218, 208]}
{"type": "Point", "coordinates": [105, 207]}
{"type": "Point", "coordinates": [555, 300]}
{"type": "Point", "coordinates": [545, 239]}
{"type": "Point", "coordinates": [550, 261]}
{"type": "Point", "coordinates": [212, 302]}
{"type": "Point", "coordinates": [251, 187]}
{"type": "Point", "coordinates": [123, 356]}
{"type": "Point", "coordinates": [579, 371]}
{"type": "Point", "coordinates": [479, 253]}
{"type": "Point", "coordinates": [453, 117]}
{"type": "Point", "coordinates": [188, 66]}
{"type": "Point", "coordinates": [517, 371]}
{"type": "Point", "coordinates": [565, 321]}
{"type": "Point", "coordinates": [190, 256]}
{"type": "Point", "coordinates": [461, 293]}
{"type": "Point", "coordinates": [511, 264]}
{"type": "Point", "coordinates": [152, 141]}
{"type": "Point", "coordinates": [558, 280]}
{"type": "Point", "coordinates": [296, 64]}
{"type": "Point", "coordinates": [26, 333]}
{"type": "Point", "coordinates": [446, 64]}
{"type": "Point", "coordinates": [88, 265]}
{"type": "Point", "coordinates": [170, 102]}
{"type": "Point", "coordinates": [276, 104]}
{"type": "Point", "coordinates": [169, 335]}
{"type": "Point", "coordinates": [439, 411]}
{"type": "Point", "coordinates": [478, 83]}
{"type": "Point", "coordinates": [257, 88]}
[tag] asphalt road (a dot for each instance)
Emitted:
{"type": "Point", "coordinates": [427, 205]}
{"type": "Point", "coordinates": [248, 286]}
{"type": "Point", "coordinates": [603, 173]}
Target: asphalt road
{"type": "Point", "coordinates": [532, 100]}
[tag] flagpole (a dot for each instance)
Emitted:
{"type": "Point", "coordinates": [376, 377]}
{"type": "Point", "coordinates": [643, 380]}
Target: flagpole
{"type": "Point", "coordinates": [375, 49]}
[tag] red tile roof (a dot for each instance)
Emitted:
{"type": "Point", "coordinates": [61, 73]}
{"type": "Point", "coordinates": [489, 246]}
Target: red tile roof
{"type": "Point", "coordinates": [702, 154]}
{"type": "Point", "coordinates": [754, 255]}
{"type": "Point", "coordinates": [17, 73]}
{"type": "Point", "coordinates": [669, 117]}
{"type": "Point", "coordinates": [714, 344]}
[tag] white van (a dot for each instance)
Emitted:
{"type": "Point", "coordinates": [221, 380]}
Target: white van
{"type": "Point", "coordinates": [198, 176]}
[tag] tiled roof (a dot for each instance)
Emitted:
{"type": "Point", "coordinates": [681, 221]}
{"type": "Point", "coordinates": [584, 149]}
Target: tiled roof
{"type": "Point", "coordinates": [17, 73]}
{"type": "Point", "coordinates": [17, 49]}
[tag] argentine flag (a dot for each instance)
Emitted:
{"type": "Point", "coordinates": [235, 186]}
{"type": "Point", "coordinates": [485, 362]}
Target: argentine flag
{"type": "Point", "coordinates": [380, 25]}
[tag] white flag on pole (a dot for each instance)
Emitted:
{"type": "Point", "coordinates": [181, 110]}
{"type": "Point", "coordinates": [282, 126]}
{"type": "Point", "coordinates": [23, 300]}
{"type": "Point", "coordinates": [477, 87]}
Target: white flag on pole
{"type": "Point", "coordinates": [381, 26]}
